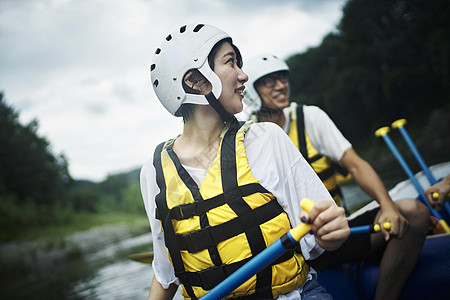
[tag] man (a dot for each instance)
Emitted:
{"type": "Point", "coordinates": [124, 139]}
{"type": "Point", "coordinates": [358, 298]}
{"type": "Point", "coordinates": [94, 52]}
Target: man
{"type": "Point", "coordinates": [324, 147]}
{"type": "Point", "coordinates": [439, 193]}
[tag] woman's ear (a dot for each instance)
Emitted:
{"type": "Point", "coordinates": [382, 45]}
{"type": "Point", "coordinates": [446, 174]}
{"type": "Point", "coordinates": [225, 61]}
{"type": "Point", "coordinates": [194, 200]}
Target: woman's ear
{"type": "Point", "coordinates": [196, 82]}
{"type": "Point", "coordinates": [191, 79]}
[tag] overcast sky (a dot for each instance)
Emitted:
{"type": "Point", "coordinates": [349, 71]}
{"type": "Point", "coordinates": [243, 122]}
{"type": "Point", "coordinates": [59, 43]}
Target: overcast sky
{"type": "Point", "coordinates": [81, 67]}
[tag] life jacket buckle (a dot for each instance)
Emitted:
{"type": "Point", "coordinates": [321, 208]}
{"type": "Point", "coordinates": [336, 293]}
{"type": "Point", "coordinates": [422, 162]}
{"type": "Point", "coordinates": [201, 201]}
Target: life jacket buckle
{"type": "Point", "coordinates": [199, 240]}
{"type": "Point", "coordinates": [185, 211]}
{"type": "Point", "coordinates": [211, 277]}
{"type": "Point", "coordinates": [192, 247]}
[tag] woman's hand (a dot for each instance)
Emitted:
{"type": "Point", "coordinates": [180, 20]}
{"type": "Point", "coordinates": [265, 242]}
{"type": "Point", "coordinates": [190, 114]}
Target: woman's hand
{"type": "Point", "coordinates": [328, 223]}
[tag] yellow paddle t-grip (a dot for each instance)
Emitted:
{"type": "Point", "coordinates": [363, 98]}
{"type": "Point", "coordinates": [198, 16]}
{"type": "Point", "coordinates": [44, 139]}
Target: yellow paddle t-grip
{"type": "Point", "coordinates": [444, 225]}
{"type": "Point", "coordinates": [299, 231]}
{"type": "Point", "coordinates": [376, 228]}
{"type": "Point", "coordinates": [435, 195]}
{"type": "Point", "coordinates": [386, 226]}
{"type": "Point", "coordinates": [398, 124]}
{"type": "Point", "coordinates": [382, 131]}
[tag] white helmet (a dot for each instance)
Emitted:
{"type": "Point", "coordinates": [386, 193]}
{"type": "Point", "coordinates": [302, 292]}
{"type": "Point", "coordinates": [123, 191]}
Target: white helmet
{"type": "Point", "coordinates": [185, 49]}
{"type": "Point", "coordinates": [256, 68]}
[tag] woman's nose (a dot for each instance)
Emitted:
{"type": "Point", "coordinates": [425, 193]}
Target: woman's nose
{"type": "Point", "coordinates": [243, 76]}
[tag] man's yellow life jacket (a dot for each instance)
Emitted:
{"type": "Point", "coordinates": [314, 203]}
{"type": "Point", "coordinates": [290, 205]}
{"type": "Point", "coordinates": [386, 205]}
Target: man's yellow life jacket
{"type": "Point", "coordinates": [212, 229]}
{"type": "Point", "coordinates": [323, 165]}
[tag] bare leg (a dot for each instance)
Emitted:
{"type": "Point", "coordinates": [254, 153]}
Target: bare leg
{"type": "Point", "coordinates": [401, 255]}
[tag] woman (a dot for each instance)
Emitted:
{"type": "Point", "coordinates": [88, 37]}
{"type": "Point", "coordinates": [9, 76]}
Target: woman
{"type": "Point", "coordinates": [221, 192]}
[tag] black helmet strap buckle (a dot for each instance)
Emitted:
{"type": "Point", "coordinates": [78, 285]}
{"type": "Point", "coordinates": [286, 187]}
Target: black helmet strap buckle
{"type": "Point", "coordinates": [218, 107]}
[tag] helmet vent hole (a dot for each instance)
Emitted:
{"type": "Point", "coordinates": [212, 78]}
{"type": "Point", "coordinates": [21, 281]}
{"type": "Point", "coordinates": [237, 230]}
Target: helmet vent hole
{"type": "Point", "coordinates": [158, 51]}
{"type": "Point", "coordinates": [169, 37]}
{"type": "Point", "coordinates": [183, 29]}
{"type": "Point", "coordinates": [178, 97]}
{"type": "Point", "coordinates": [155, 83]}
{"type": "Point", "coordinates": [152, 67]}
{"type": "Point", "coordinates": [264, 58]}
{"type": "Point", "coordinates": [174, 79]}
{"type": "Point", "coordinates": [198, 27]}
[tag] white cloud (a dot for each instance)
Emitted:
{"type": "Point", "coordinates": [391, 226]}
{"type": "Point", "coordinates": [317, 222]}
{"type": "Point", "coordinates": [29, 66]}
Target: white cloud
{"type": "Point", "coordinates": [82, 67]}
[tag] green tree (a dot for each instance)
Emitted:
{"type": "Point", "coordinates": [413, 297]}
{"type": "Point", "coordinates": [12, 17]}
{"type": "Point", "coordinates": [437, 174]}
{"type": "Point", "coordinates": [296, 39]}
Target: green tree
{"type": "Point", "coordinates": [29, 171]}
{"type": "Point", "coordinates": [388, 59]}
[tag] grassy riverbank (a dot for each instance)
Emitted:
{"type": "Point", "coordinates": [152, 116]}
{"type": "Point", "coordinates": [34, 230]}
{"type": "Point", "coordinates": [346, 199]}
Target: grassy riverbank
{"type": "Point", "coordinates": [41, 247]}
{"type": "Point", "coordinates": [85, 221]}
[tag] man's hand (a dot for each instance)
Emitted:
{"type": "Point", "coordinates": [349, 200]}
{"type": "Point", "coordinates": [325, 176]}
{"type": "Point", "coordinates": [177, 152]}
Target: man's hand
{"type": "Point", "coordinates": [441, 190]}
{"type": "Point", "coordinates": [389, 212]}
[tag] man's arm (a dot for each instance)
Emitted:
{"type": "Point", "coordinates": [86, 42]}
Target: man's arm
{"type": "Point", "coordinates": [369, 181]}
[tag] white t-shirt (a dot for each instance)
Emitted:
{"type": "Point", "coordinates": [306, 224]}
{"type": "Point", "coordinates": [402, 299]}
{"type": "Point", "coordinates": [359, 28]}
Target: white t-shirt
{"type": "Point", "coordinates": [279, 167]}
{"type": "Point", "coordinates": [323, 133]}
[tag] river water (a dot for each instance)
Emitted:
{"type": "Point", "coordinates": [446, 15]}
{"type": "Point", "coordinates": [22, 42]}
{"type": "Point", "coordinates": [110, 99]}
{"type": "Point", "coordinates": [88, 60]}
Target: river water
{"type": "Point", "coordinates": [105, 273]}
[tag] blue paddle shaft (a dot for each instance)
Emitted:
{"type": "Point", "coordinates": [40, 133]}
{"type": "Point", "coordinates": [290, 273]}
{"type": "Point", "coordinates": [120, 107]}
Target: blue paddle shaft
{"type": "Point", "coordinates": [410, 174]}
{"type": "Point", "coordinates": [360, 230]}
{"type": "Point", "coordinates": [256, 264]}
{"type": "Point", "coordinates": [421, 161]}
{"type": "Point", "coordinates": [417, 155]}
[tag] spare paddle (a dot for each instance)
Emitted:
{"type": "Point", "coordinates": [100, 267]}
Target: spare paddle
{"type": "Point", "coordinates": [383, 132]}
{"type": "Point", "coordinates": [145, 257]}
{"type": "Point", "coordinates": [400, 125]}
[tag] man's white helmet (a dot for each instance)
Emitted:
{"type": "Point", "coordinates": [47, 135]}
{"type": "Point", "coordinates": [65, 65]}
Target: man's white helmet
{"type": "Point", "coordinates": [256, 68]}
{"type": "Point", "coordinates": [185, 49]}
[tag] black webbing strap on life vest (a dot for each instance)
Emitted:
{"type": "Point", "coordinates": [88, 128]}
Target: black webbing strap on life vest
{"type": "Point", "coordinates": [302, 138]}
{"type": "Point", "coordinates": [313, 159]}
{"type": "Point", "coordinates": [209, 278]}
{"type": "Point", "coordinates": [169, 231]}
{"type": "Point", "coordinates": [210, 236]}
{"type": "Point", "coordinates": [233, 197]}
{"type": "Point", "coordinates": [254, 235]}
{"type": "Point", "coordinates": [336, 191]}
{"type": "Point", "coordinates": [340, 169]}
{"type": "Point", "coordinates": [325, 174]}
{"type": "Point", "coordinates": [301, 131]}
{"type": "Point", "coordinates": [193, 188]}
{"type": "Point", "coordinates": [188, 210]}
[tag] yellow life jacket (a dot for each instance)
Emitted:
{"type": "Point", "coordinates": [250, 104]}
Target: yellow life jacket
{"type": "Point", "coordinates": [323, 165]}
{"type": "Point", "coordinates": [212, 229]}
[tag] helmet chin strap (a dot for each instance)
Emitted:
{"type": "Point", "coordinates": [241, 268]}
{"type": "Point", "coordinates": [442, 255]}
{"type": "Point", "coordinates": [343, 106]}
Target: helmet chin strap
{"type": "Point", "coordinates": [218, 107]}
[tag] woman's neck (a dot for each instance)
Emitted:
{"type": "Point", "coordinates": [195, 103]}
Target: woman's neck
{"type": "Point", "coordinates": [197, 146]}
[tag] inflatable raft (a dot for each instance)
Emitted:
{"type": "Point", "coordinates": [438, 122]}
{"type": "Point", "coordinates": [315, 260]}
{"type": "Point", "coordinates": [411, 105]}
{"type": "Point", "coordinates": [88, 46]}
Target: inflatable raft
{"type": "Point", "coordinates": [431, 276]}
